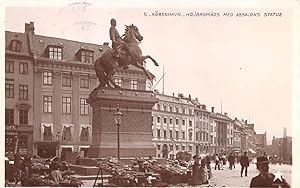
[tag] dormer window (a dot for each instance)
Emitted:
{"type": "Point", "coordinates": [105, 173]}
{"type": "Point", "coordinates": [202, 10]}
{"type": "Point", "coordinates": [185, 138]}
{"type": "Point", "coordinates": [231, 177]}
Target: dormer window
{"type": "Point", "coordinates": [55, 52]}
{"type": "Point", "coordinates": [16, 45]}
{"type": "Point", "coordinates": [86, 56]}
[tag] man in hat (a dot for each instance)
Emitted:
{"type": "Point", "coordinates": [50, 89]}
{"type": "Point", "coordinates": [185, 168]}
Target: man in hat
{"type": "Point", "coordinates": [244, 161]}
{"type": "Point", "coordinates": [264, 178]}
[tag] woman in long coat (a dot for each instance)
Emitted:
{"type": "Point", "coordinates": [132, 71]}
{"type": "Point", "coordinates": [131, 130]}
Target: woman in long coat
{"type": "Point", "coordinates": [196, 180]}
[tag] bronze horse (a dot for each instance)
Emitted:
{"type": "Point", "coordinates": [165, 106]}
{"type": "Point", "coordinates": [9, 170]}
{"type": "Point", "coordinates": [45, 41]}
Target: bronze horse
{"type": "Point", "coordinates": [130, 53]}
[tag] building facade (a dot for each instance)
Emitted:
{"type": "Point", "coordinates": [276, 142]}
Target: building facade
{"type": "Point", "coordinates": [18, 93]}
{"type": "Point", "coordinates": [173, 125]}
{"type": "Point", "coordinates": [224, 132]}
{"type": "Point", "coordinates": [261, 143]}
{"type": "Point", "coordinates": [204, 135]}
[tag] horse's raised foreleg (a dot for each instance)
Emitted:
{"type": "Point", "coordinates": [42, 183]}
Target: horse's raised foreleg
{"type": "Point", "coordinates": [153, 60]}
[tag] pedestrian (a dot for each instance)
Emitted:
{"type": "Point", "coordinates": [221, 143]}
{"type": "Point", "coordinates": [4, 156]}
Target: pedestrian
{"type": "Point", "coordinates": [231, 160]}
{"type": "Point", "coordinates": [208, 166]}
{"type": "Point", "coordinates": [224, 159]}
{"type": "Point", "coordinates": [203, 172]}
{"type": "Point", "coordinates": [264, 178]}
{"type": "Point", "coordinates": [196, 171]}
{"type": "Point", "coordinates": [221, 162]}
{"type": "Point", "coordinates": [217, 161]}
{"type": "Point", "coordinates": [244, 161]}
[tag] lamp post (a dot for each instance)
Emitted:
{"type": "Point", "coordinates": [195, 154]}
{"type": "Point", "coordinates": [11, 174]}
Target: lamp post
{"type": "Point", "coordinates": [118, 118]}
{"type": "Point", "coordinates": [58, 142]}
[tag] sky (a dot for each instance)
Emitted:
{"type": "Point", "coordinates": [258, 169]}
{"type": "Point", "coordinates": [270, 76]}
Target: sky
{"type": "Point", "coordinates": [243, 63]}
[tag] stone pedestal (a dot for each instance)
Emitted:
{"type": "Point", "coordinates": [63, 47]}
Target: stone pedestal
{"type": "Point", "coordinates": [136, 126]}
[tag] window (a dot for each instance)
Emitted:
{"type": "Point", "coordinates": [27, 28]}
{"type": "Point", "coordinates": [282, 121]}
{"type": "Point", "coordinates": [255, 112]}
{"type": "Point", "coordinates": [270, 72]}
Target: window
{"type": "Point", "coordinates": [55, 53]}
{"type": "Point", "coordinates": [84, 107]}
{"type": "Point", "coordinates": [177, 109]}
{"type": "Point", "coordinates": [9, 66]}
{"type": "Point", "coordinates": [171, 108]}
{"type": "Point", "coordinates": [67, 134]}
{"type": "Point", "coordinates": [84, 136]}
{"type": "Point", "coordinates": [183, 122]}
{"type": "Point", "coordinates": [177, 135]}
{"type": "Point", "coordinates": [23, 91]}
{"type": "Point", "coordinates": [165, 134]}
{"type": "Point", "coordinates": [9, 117]}
{"type": "Point", "coordinates": [66, 105]}
{"type": "Point", "coordinates": [190, 123]}
{"type": "Point", "coordinates": [177, 121]}
{"type": "Point", "coordinates": [118, 81]}
{"type": "Point", "coordinates": [190, 111]}
{"type": "Point", "coordinates": [158, 147]}
{"type": "Point", "coordinates": [23, 116]}
{"type": "Point", "coordinates": [200, 136]}
{"type": "Point", "coordinates": [165, 120]}
{"type": "Point", "coordinates": [16, 45]}
{"type": "Point", "coordinates": [197, 136]}
{"type": "Point", "coordinates": [183, 148]}
{"type": "Point", "coordinates": [183, 110]}
{"type": "Point", "coordinates": [158, 133]}
{"type": "Point", "coordinates": [171, 134]}
{"type": "Point", "coordinates": [206, 136]}
{"type": "Point", "coordinates": [171, 147]}
{"type": "Point", "coordinates": [84, 81]}
{"type": "Point", "coordinates": [177, 147]}
{"type": "Point", "coordinates": [23, 142]}
{"type": "Point", "coordinates": [190, 148]}
{"type": "Point", "coordinates": [171, 121]}
{"type": "Point", "coordinates": [9, 90]}
{"type": "Point", "coordinates": [23, 68]}
{"type": "Point", "coordinates": [87, 56]}
{"type": "Point", "coordinates": [211, 139]}
{"type": "Point", "coordinates": [183, 135]}
{"type": "Point", "coordinates": [190, 136]}
{"type": "Point", "coordinates": [47, 103]}
{"type": "Point", "coordinates": [47, 134]}
{"type": "Point", "coordinates": [165, 108]}
{"type": "Point", "coordinates": [133, 84]}
{"type": "Point", "coordinates": [158, 119]}
{"type": "Point", "coordinates": [47, 78]}
{"type": "Point", "coordinates": [66, 80]}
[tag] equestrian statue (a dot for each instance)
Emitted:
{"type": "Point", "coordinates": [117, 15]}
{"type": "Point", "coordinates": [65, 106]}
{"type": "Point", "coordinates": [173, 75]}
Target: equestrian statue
{"type": "Point", "coordinates": [125, 51]}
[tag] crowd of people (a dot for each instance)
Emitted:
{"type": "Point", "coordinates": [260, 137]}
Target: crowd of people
{"type": "Point", "coordinates": [202, 173]}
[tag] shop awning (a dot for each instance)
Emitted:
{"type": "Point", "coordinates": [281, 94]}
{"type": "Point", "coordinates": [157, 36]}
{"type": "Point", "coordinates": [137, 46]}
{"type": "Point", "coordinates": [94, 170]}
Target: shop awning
{"type": "Point", "coordinates": [251, 150]}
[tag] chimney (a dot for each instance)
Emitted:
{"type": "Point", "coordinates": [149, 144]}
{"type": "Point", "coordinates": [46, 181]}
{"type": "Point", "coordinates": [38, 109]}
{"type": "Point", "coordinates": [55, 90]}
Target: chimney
{"type": "Point", "coordinates": [213, 109]}
{"type": "Point", "coordinates": [245, 121]}
{"type": "Point", "coordinates": [225, 113]}
{"type": "Point", "coordinates": [29, 28]}
{"type": "Point", "coordinates": [190, 97]}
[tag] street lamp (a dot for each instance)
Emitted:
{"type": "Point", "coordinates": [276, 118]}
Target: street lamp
{"type": "Point", "coordinates": [58, 140]}
{"type": "Point", "coordinates": [118, 118]}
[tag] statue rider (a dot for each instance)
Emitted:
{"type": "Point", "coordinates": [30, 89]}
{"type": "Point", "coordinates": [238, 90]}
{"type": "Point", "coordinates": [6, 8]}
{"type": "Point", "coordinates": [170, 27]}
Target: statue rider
{"type": "Point", "coordinates": [115, 38]}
